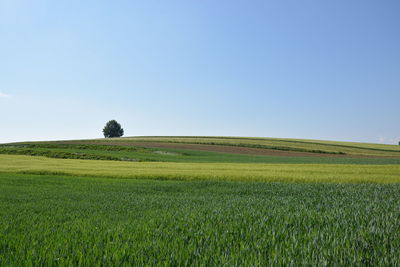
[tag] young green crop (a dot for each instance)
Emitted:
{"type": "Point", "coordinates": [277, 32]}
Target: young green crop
{"type": "Point", "coordinates": [64, 212]}
{"type": "Point", "coordinates": [88, 221]}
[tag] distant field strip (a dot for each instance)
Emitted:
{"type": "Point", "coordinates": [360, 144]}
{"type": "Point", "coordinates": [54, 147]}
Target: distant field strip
{"type": "Point", "coordinates": [297, 145]}
{"type": "Point", "coordinates": [381, 147]}
{"type": "Point", "coordinates": [174, 152]}
{"type": "Point", "coordinates": [331, 173]}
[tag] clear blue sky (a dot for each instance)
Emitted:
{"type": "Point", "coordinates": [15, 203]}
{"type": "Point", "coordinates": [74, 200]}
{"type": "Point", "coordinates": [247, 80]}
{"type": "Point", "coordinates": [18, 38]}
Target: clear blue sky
{"type": "Point", "coordinates": [303, 69]}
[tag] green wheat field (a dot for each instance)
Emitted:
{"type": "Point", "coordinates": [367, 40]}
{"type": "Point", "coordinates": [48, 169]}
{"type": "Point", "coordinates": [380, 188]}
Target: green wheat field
{"type": "Point", "coordinates": [199, 201]}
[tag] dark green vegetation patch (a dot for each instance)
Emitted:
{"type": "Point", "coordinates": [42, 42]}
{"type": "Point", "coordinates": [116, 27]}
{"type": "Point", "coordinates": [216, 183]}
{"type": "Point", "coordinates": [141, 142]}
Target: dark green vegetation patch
{"type": "Point", "coordinates": [50, 220]}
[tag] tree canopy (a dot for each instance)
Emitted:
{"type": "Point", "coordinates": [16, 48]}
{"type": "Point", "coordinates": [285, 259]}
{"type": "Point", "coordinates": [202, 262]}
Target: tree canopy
{"type": "Point", "coordinates": [113, 129]}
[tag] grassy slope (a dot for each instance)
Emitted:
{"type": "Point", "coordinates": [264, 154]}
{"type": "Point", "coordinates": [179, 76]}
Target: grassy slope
{"type": "Point", "coordinates": [339, 173]}
{"type": "Point", "coordinates": [71, 221]}
{"type": "Point", "coordinates": [132, 153]}
{"type": "Point", "coordinates": [300, 145]}
{"type": "Point", "coordinates": [69, 212]}
{"type": "Point", "coordinates": [350, 148]}
{"type": "Point", "coordinates": [191, 164]}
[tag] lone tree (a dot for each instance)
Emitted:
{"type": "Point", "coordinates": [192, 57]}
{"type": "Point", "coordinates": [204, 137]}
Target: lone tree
{"type": "Point", "coordinates": [113, 129]}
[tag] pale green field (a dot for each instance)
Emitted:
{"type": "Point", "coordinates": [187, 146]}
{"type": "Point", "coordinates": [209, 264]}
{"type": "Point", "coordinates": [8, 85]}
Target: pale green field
{"type": "Point", "coordinates": [331, 173]}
